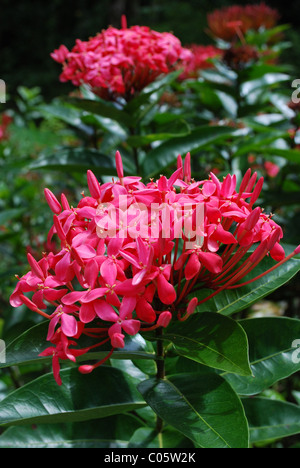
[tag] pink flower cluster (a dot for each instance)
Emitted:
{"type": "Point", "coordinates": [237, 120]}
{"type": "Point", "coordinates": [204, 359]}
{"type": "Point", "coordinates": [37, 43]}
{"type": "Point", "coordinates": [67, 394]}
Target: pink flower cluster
{"type": "Point", "coordinates": [200, 60]}
{"type": "Point", "coordinates": [109, 287]}
{"type": "Point", "coordinates": [120, 62]}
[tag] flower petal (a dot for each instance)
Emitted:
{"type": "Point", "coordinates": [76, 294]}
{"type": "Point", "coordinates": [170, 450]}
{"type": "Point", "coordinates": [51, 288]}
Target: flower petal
{"type": "Point", "coordinates": [87, 313]}
{"type": "Point", "coordinates": [105, 311]}
{"type": "Point", "coordinates": [69, 325]}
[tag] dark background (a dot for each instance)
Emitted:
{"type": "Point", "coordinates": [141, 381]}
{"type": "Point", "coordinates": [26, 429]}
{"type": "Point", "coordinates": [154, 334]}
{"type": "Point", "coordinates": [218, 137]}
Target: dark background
{"type": "Point", "coordinates": [31, 29]}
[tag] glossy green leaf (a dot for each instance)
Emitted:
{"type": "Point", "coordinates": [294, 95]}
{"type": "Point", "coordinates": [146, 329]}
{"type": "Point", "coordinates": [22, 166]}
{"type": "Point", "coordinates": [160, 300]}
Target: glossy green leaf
{"type": "Point", "coordinates": [146, 437]}
{"type": "Point", "coordinates": [213, 340]}
{"type": "Point", "coordinates": [138, 107]}
{"type": "Point", "coordinates": [204, 408]}
{"type": "Point", "coordinates": [112, 432]}
{"type": "Point", "coordinates": [265, 81]}
{"type": "Point", "coordinates": [102, 108]}
{"type": "Point", "coordinates": [273, 353]}
{"type": "Point", "coordinates": [291, 155]}
{"type": "Point", "coordinates": [75, 160]}
{"type": "Point", "coordinates": [166, 154]}
{"type": "Point", "coordinates": [8, 215]}
{"type": "Point", "coordinates": [104, 392]}
{"type": "Point", "coordinates": [231, 301]}
{"type": "Point", "coordinates": [25, 349]}
{"type": "Point", "coordinates": [257, 143]}
{"type": "Point", "coordinates": [180, 128]}
{"type": "Point", "coordinates": [64, 112]}
{"type": "Point", "coordinates": [271, 419]}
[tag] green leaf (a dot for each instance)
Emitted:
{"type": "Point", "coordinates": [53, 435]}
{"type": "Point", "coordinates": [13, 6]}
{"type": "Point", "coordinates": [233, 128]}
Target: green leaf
{"type": "Point", "coordinates": [75, 160]}
{"type": "Point", "coordinates": [203, 408]}
{"type": "Point", "coordinates": [180, 128]}
{"type": "Point", "coordinates": [258, 143]}
{"type": "Point", "coordinates": [114, 431]}
{"type": "Point", "coordinates": [166, 154]}
{"type": "Point", "coordinates": [272, 350]}
{"type": "Point", "coordinates": [265, 81]}
{"type": "Point", "coordinates": [213, 340]}
{"type": "Point", "coordinates": [292, 155]}
{"type": "Point", "coordinates": [148, 97]}
{"type": "Point", "coordinates": [25, 349]}
{"type": "Point", "coordinates": [146, 437]}
{"type": "Point", "coordinates": [8, 215]}
{"type": "Point", "coordinates": [63, 112]}
{"type": "Point", "coordinates": [104, 392]}
{"type": "Point", "coordinates": [102, 108]}
{"type": "Point", "coordinates": [271, 419]}
{"type": "Point", "coordinates": [231, 301]}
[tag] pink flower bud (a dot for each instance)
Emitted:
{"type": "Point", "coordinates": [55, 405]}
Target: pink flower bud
{"type": "Point", "coordinates": [36, 269]}
{"type": "Point", "coordinates": [274, 238]}
{"type": "Point", "coordinates": [64, 202]}
{"type": "Point", "coordinates": [257, 190]}
{"type": "Point", "coordinates": [117, 340]}
{"type": "Point", "coordinates": [59, 229]}
{"type": "Point", "coordinates": [252, 219]}
{"type": "Point", "coordinates": [124, 22]}
{"type": "Point", "coordinates": [94, 186]}
{"type": "Point", "coordinates": [192, 306]}
{"type": "Point", "coordinates": [164, 319]}
{"type": "Point", "coordinates": [52, 201]}
{"type": "Point", "coordinates": [259, 251]}
{"type": "Point", "coordinates": [187, 168]}
{"type": "Point", "coordinates": [297, 250]}
{"type": "Point", "coordinates": [119, 165]}
{"type": "Point", "coordinates": [245, 181]}
{"type": "Point", "coordinates": [86, 369]}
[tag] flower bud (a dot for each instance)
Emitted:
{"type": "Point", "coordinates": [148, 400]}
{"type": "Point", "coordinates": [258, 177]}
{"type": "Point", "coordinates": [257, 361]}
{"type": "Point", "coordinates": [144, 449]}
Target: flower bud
{"type": "Point", "coordinates": [94, 186]}
{"type": "Point", "coordinates": [297, 250]}
{"type": "Point", "coordinates": [52, 201]}
{"type": "Point", "coordinates": [164, 319]}
{"type": "Point", "coordinates": [119, 165]}
{"type": "Point", "coordinates": [192, 306]}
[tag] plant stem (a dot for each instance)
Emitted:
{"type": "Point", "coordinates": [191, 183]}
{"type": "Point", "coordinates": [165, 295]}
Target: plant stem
{"type": "Point", "coordinates": [160, 364]}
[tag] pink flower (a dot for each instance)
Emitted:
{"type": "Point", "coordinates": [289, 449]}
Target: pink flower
{"type": "Point", "coordinates": [200, 59]}
{"type": "Point", "coordinates": [120, 62]}
{"type": "Point", "coordinates": [271, 168]}
{"type": "Point", "coordinates": [144, 276]}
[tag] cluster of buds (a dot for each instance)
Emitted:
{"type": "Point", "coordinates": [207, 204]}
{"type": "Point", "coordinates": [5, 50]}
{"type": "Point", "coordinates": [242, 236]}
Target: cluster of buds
{"type": "Point", "coordinates": [121, 62]}
{"type": "Point", "coordinates": [131, 256]}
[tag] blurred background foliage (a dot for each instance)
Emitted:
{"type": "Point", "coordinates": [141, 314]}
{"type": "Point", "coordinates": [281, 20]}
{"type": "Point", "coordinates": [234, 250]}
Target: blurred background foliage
{"type": "Point", "coordinates": [32, 29]}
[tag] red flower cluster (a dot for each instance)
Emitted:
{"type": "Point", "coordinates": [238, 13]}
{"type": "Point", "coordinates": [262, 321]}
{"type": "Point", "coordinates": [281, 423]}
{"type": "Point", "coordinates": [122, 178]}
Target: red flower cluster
{"type": "Point", "coordinates": [229, 22]}
{"type": "Point", "coordinates": [199, 60]}
{"type": "Point", "coordinates": [120, 62]}
{"type": "Point", "coordinates": [5, 122]}
{"type": "Point", "coordinates": [131, 256]}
